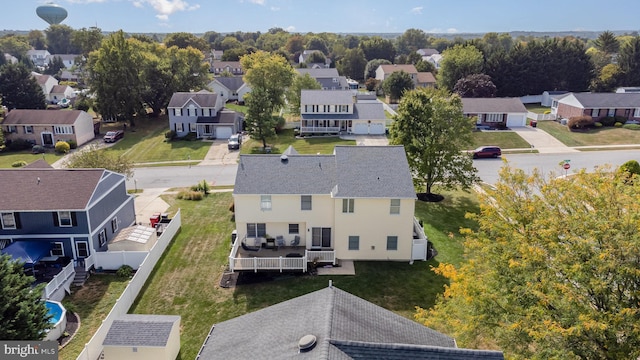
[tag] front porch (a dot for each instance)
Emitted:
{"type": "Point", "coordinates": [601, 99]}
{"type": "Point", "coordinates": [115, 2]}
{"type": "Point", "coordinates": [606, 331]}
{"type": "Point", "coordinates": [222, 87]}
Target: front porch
{"type": "Point", "coordinates": [276, 258]}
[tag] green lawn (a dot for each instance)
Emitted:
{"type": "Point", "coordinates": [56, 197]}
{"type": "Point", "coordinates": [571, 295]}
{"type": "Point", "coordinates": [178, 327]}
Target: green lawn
{"type": "Point", "coordinates": [593, 137]}
{"type": "Point", "coordinates": [92, 303]}
{"type": "Point", "coordinates": [280, 143]}
{"type": "Point", "coordinates": [537, 108]}
{"type": "Point", "coordinates": [503, 139]}
{"type": "Point", "coordinates": [186, 280]}
{"type": "Point", "coordinates": [146, 143]}
{"type": "Point", "coordinates": [238, 108]}
{"type": "Point", "coordinates": [8, 158]}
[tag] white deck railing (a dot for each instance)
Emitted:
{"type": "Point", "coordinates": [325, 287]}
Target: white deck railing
{"type": "Point", "coordinates": [277, 263]}
{"type": "Point", "coordinates": [59, 280]}
{"type": "Point", "coordinates": [319, 129]}
{"type": "Point", "coordinates": [321, 256]}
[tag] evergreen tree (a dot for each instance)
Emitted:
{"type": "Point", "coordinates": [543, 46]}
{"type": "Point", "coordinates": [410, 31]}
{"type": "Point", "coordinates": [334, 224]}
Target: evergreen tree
{"type": "Point", "coordinates": [629, 62]}
{"type": "Point", "coordinates": [23, 314]}
{"type": "Point", "coordinates": [20, 90]}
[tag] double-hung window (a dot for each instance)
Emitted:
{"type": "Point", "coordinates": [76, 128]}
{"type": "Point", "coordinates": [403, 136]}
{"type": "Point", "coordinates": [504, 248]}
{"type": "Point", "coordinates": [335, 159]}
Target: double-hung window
{"type": "Point", "coordinates": [305, 202]}
{"type": "Point", "coordinates": [64, 219]}
{"type": "Point", "coordinates": [265, 202]}
{"type": "Point", "coordinates": [8, 220]}
{"type": "Point", "coordinates": [256, 230]}
{"type": "Point", "coordinates": [102, 238]}
{"type": "Point", "coordinates": [392, 243]}
{"type": "Point", "coordinates": [354, 242]}
{"type": "Point", "coordinates": [348, 205]}
{"type": "Point", "coordinates": [394, 208]}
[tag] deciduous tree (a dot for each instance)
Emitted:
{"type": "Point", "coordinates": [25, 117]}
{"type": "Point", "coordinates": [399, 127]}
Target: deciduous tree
{"type": "Point", "coordinates": [551, 272]}
{"type": "Point", "coordinates": [475, 86]}
{"type": "Point", "coordinates": [412, 40]}
{"type": "Point", "coordinates": [353, 63]}
{"type": "Point", "coordinates": [458, 62]}
{"type": "Point", "coordinates": [116, 56]}
{"type": "Point", "coordinates": [629, 62]}
{"type": "Point", "coordinates": [183, 40]}
{"type": "Point", "coordinates": [396, 84]}
{"type": "Point", "coordinates": [433, 130]}
{"type": "Point", "coordinates": [372, 66]}
{"type": "Point", "coordinates": [300, 82]}
{"type": "Point", "coordinates": [20, 90]}
{"type": "Point", "coordinates": [23, 314]}
{"type": "Point", "coordinates": [93, 157]}
{"type": "Point", "coordinates": [378, 48]}
{"type": "Point", "coordinates": [59, 38]}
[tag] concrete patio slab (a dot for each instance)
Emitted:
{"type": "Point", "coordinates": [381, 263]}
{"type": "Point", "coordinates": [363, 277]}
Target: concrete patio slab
{"type": "Point", "coordinates": [346, 268]}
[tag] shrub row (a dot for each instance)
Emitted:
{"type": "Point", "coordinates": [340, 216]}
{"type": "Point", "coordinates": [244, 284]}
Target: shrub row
{"type": "Point", "coordinates": [190, 195]}
{"type": "Point", "coordinates": [580, 122]}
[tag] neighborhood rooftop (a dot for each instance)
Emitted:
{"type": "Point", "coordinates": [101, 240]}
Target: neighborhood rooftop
{"type": "Point", "coordinates": [204, 99]}
{"type": "Point", "coordinates": [344, 326]}
{"type": "Point", "coordinates": [49, 189]}
{"type": "Point", "coordinates": [492, 105]}
{"type": "Point", "coordinates": [352, 171]}
{"type": "Point", "coordinates": [41, 117]}
{"type": "Point", "coordinates": [608, 100]}
{"type": "Point", "coordinates": [326, 97]}
{"type": "Point", "coordinates": [140, 330]}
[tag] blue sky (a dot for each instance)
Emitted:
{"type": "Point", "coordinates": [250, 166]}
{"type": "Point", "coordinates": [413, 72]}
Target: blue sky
{"type": "Point", "coordinates": [382, 16]}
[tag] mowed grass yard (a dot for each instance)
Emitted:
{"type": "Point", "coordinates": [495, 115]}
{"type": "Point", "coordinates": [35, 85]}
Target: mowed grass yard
{"type": "Point", "coordinates": [146, 143]}
{"type": "Point", "coordinates": [308, 145]}
{"type": "Point", "coordinates": [8, 158]}
{"type": "Point", "coordinates": [592, 137]}
{"type": "Point", "coordinates": [503, 139]}
{"type": "Point", "coordinates": [186, 280]}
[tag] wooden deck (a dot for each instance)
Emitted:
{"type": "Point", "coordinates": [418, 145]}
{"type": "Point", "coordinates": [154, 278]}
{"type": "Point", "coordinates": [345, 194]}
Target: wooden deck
{"type": "Point", "coordinates": [271, 253]}
{"type": "Point", "coordinates": [283, 258]}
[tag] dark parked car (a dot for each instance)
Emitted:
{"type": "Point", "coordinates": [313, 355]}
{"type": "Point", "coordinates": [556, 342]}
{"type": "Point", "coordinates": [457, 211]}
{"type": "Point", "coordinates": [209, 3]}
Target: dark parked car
{"type": "Point", "coordinates": [487, 152]}
{"type": "Point", "coordinates": [113, 136]}
{"type": "Point", "coordinates": [234, 142]}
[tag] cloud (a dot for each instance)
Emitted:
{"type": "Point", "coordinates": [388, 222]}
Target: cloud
{"type": "Point", "coordinates": [290, 28]}
{"type": "Point", "coordinates": [442, 31]}
{"type": "Point", "coordinates": [452, 30]}
{"type": "Point", "coordinates": [257, 2]}
{"type": "Point", "coordinates": [416, 10]}
{"type": "Point", "coordinates": [275, 8]}
{"type": "Point", "coordinates": [163, 8]}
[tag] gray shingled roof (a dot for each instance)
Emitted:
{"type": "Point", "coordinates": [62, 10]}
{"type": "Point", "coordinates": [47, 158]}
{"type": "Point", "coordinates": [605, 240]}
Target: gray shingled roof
{"type": "Point", "coordinates": [300, 174]}
{"type": "Point", "coordinates": [204, 99]}
{"type": "Point", "coordinates": [319, 73]}
{"type": "Point", "coordinates": [41, 117]}
{"type": "Point", "coordinates": [608, 100]}
{"type": "Point", "coordinates": [58, 89]}
{"type": "Point", "coordinates": [492, 105]}
{"type": "Point", "coordinates": [140, 330]}
{"type": "Point", "coordinates": [408, 68]}
{"type": "Point", "coordinates": [374, 351]}
{"type": "Point", "coordinates": [373, 171]}
{"type": "Point", "coordinates": [58, 189]}
{"type": "Point", "coordinates": [323, 97]}
{"type": "Point", "coordinates": [330, 314]}
{"type": "Point", "coordinates": [222, 117]}
{"type": "Point", "coordinates": [357, 171]}
{"type": "Point", "coordinates": [233, 83]}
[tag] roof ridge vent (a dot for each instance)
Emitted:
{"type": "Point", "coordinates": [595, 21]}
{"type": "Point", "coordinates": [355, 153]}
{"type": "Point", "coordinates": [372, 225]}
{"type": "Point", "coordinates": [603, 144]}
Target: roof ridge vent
{"type": "Point", "coordinates": [284, 158]}
{"type": "Point", "coordinates": [306, 343]}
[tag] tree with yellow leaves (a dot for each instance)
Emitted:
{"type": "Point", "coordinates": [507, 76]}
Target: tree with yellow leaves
{"type": "Point", "coordinates": [553, 270]}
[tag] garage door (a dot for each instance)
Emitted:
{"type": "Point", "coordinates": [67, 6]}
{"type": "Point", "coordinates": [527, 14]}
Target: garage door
{"type": "Point", "coordinates": [223, 132]}
{"type": "Point", "coordinates": [376, 128]}
{"type": "Point", "coordinates": [515, 120]}
{"type": "Point", "coordinates": [360, 128]}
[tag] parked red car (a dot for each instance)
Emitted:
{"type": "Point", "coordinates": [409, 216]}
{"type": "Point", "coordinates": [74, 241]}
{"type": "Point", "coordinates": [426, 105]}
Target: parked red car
{"type": "Point", "coordinates": [113, 136]}
{"type": "Point", "coordinates": [487, 152]}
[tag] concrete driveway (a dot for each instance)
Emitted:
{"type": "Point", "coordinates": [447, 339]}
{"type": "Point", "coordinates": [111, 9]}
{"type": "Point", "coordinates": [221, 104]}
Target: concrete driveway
{"type": "Point", "coordinates": [219, 154]}
{"type": "Point", "coordinates": [542, 141]}
{"type": "Point", "coordinates": [371, 140]}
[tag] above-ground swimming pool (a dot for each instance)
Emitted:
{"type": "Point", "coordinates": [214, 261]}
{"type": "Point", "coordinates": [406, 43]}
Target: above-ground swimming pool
{"type": "Point", "coordinates": [58, 320]}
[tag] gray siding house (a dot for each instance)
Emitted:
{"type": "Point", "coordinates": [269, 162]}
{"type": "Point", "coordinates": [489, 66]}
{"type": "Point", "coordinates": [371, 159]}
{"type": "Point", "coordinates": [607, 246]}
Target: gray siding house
{"type": "Point", "coordinates": [203, 114]}
{"type": "Point", "coordinates": [328, 78]}
{"type": "Point", "coordinates": [76, 211]}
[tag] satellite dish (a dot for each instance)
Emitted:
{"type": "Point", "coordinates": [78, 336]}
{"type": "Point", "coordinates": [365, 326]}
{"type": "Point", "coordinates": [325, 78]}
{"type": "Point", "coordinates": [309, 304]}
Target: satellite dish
{"type": "Point", "coordinates": [51, 13]}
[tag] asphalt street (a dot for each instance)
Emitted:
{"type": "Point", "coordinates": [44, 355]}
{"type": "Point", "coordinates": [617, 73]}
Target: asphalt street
{"type": "Point", "coordinates": [182, 176]}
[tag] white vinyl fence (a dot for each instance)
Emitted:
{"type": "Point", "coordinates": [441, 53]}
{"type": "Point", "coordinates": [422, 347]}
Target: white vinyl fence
{"type": "Point", "coordinates": [93, 348]}
{"type": "Point", "coordinates": [540, 117]}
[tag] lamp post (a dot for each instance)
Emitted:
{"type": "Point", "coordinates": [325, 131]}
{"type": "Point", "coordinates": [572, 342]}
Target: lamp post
{"type": "Point", "coordinates": [135, 184]}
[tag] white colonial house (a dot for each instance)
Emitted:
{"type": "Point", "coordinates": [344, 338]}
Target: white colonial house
{"type": "Point", "coordinates": [339, 111]}
{"type": "Point", "coordinates": [202, 113]}
{"type": "Point", "coordinates": [355, 204]}
{"type": "Point", "coordinates": [232, 88]}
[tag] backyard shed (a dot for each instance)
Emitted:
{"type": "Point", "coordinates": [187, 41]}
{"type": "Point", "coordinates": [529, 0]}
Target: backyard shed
{"type": "Point", "coordinates": [153, 337]}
